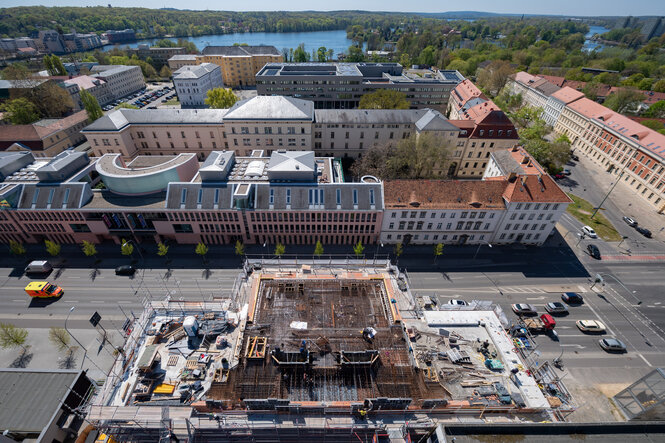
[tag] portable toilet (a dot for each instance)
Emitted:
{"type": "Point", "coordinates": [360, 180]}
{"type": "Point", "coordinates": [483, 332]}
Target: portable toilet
{"type": "Point", "coordinates": [191, 326]}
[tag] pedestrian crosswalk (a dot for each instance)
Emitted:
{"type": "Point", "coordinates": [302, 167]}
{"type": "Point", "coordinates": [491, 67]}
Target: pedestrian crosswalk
{"type": "Point", "coordinates": [522, 289]}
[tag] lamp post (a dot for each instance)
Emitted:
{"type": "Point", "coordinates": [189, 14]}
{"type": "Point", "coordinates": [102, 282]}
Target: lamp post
{"type": "Point", "coordinates": [625, 237]}
{"type": "Point", "coordinates": [136, 246]}
{"type": "Point", "coordinates": [478, 248]}
{"type": "Point", "coordinates": [85, 351]}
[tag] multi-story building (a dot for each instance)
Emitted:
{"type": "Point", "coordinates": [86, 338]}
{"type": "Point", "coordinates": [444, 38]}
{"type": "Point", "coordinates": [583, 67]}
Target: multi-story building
{"type": "Point", "coordinates": [632, 152]}
{"type": "Point", "coordinates": [15, 44]}
{"type": "Point", "coordinates": [75, 42]}
{"type": "Point", "coordinates": [44, 138]}
{"type": "Point", "coordinates": [192, 83]}
{"type": "Point", "coordinates": [51, 41]}
{"type": "Point", "coordinates": [178, 61]}
{"type": "Point", "coordinates": [125, 35]}
{"type": "Point", "coordinates": [463, 97]}
{"type": "Point", "coordinates": [160, 56]}
{"type": "Point", "coordinates": [289, 197]}
{"type": "Point", "coordinates": [557, 102]}
{"type": "Point", "coordinates": [122, 80]}
{"type": "Point", "coordinates": [517, 202]}
{"type": "Point", "coordinates": [341, 85]}
{"type": "Point", "coordinates": [239, 64]}
{"type": "Point", "coordinates": [97, 87]}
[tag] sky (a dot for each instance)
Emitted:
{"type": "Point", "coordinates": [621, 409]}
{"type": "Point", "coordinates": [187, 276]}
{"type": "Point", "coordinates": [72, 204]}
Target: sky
{"type": "Point", "coordinates": [558, 7]}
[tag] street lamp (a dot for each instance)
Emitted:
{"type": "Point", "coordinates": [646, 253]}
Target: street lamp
{"type": "Point", "coordinates": [136, 246]}
{"type": "Point", "coordinates": [625, 237]}
{"type": "Point", "coordinates": [478, 248]}
{"type": "Point", "coordinates": [85, 351]}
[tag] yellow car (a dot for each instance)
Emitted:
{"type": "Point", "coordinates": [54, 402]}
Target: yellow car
{"type": "Point", "coordinates": [43, 289]}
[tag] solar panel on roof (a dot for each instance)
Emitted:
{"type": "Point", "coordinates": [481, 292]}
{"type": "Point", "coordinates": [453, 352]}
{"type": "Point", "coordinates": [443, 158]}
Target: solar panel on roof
{"type": "Point", "coordinates": [271, 71]}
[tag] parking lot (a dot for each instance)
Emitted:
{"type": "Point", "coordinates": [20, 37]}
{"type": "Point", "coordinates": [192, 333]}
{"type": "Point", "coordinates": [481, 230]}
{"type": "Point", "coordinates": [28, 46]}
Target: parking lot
{"type": "Point", "coordinates": [149, 97]}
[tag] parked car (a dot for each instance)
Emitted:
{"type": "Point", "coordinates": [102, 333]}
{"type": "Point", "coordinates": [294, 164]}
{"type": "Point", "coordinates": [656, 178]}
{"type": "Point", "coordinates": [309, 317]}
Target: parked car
{"type": "Point", "coordinates": [612, 344]}
{"type": "Point", "coordinates": [574, 157]}
{"type": "Point", "coordinates": [630, 221]}
{"type": "Point", "coordinates": [524, 309]}
{"type": "Point", "coordinates": [572, 298]}
{"type": "Point", "coordinates": [556, 308]}
{"type": "Point", "coordinates": [457, 302]}
{"type": "Point", "coordinates": [559, 176]}
{"type": "Point", "coordinates": [593, 251]}
{"type": "Point", "coordinates": [588, 230]}
{"type": "Point", "coordinates": [125, 270]}
{"type": "Point", "coordinates": [644, 231]}
{"type": "Point", "coordinates": [38, 267]}
{"type": "Point", "coordinates": [590, 326]}
{"type": "Point", "coordinates": [566, 172]}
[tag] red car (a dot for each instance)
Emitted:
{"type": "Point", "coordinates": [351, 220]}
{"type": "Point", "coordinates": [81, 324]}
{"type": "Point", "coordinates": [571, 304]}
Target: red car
{"type": "Point", "coordinates": [559, 176]}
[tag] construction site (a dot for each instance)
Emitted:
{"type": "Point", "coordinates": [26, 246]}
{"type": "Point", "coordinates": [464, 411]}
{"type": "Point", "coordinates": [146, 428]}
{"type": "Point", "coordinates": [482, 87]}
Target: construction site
{"type": "Point", "coordinates": [336, 351]}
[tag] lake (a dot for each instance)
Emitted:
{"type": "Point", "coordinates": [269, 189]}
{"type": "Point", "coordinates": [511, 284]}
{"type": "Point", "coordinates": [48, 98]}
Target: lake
{"type": "Point", "coordinates": [590, 45]}
{"type": "Point", "coordinates": [335, 40]}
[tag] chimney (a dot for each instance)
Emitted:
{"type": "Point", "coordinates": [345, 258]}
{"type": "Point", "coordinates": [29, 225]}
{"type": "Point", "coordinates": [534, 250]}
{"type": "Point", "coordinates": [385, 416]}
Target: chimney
{"type": "Point", "coordinates": [512, 176]}
{"type": "Point", "coordinates": [413, 201]}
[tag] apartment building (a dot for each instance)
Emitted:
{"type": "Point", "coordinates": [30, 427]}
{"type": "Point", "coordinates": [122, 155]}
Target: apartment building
{"type": "Point", "coordinates": [125, 35]}
{"type": "Point", "coordinates": [13, 45]}
{"type": "Point", "coordinates": [341, 85]}
{"type": "Point", "coordinates": [160, 56]}
{"type": "Point", "coordinates": [516, 202]}
{"type": "Point", "coordinates": [192, 83]}
{"type": "Point", "coordinates": [51, 41]}
{"type": "Point", "coordinates": [463, 97]}
{"type": "Point", "coordinates": [288, 197]}
{"type": "Point", "coordinates": [122, 80]}
{"type": "Point", "coordinates": [46, 137]}
{"type": "Point", "coordinates": [557, 102]}
{"type": "Point", "coordinates": [75, 42]}
{"type": "Point", "coordinates": [632, 152]}
{"type": "Point", "coordinates": [239, 64]}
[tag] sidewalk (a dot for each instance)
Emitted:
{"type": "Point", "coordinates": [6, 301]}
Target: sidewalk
{"type": "Point", "coordinates": [626, 199]}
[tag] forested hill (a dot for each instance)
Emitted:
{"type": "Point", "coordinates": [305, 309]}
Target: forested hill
{"type": "Point", "coordinates": [21, 21]}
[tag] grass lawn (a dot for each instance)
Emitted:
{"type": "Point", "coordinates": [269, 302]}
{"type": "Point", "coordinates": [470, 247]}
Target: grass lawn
{"type": "Point", "coordinates": [172, 102]}
{"type": "Point", "coordinates": [582, 210]}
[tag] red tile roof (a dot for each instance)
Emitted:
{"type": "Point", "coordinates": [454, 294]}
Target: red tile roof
{"type": "Point", "coordinates": [588, 108]}
{"type": "Point", "coordinates": [534, 188]}
{"type": "Point", "coordinates": [444, 194]}
{"type": "Point", "coordinates": [41, 129]}
{"type": "Point", "coordinates": [567, 95]}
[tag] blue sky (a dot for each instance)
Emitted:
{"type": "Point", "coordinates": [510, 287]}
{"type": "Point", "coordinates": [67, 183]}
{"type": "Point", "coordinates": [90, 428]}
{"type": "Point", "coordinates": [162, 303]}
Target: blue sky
{"type": "Point", "coordinates": [560, 7]}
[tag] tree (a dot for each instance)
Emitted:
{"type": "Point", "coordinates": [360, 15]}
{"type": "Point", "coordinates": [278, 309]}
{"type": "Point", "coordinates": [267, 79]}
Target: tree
{"type": "Point", "coordinates": [16, 71]}
{"type": "Point", "coordinates": [162, 249]}
{"type": "Point", "coordinates": [58, 67]}
{"type": "Point", "coordinates": [220, 98]}
{"type": "Point", "coordinates": [438, 250]}
{"type": "Point", "coordinates": [51, 100]}
{"type": "Point", "coordinates": [356, 54]}
{"type": "Point", "coordinates": [659, 86]}
{"type": "Point", "coordinates": [494, 76]}
{"type": "Point", "coordinates": [19, 111]}
{"type": "Point", "coordinates": [300, 55]}
{"type": "Point", "coordinates": [624, 100]}
{"type": "Point", "coordinates": [48, 64]}
{"type": "Point", "coordinates": [318, 248]}
{"type": "Point", "coordinates": [322, 54]}
{"type": "Point", "coordinates": [358, 249]}
{"type": "Point", "coordinates": [91, 105]}
{"type": "Point", "coordinates": [12, 337]}
{"type": "Point", "coordinates": [657, 110]}
{"type": "Point", "coordinates": [52, 247]}
{"type": "Point", "coordinates": [126, 248]}
{"type": "Point", "coordinates": [165, 72]}
{"type": "Point", "coordinates": [384, 99]}
{"type": "Point", "coordinates": [16, 248]}
{"type": "Point", "coordinates": [60, 338]}
{"type": "Point", "coordinates": [280, 249]}
{"type": "Point", "coordinates": [88, 248]}
{"type": "Point", "coordinates": [202, 250]}
{"type": "Point", "coordinates": [240, 248]}
{"type": "Point", "coordinates": [653, 124]}
{"type": "Point", "coordinates": [398, 249]}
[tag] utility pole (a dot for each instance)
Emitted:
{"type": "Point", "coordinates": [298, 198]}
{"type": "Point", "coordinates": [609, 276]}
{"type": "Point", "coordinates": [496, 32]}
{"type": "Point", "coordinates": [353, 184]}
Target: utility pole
{"type": "Point", "coordinates": [607, 195]}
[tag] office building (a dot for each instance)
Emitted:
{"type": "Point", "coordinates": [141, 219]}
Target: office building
{"type": "Point", "coordinates": [178, 61]}
{"type": "Point", "coordinates": [122, 80]}
{"type": "Point", "coordinates": [125, 35]}
{"type": "Point", "coordinates": [192, 83]}
{"type": "Point", "coordinates": [341, 85]}
{"type": "Point", "coordinates": [97, 87]}
{"type": "Point", "coordinates": [239, 64]}
{"type": "Point", "coordinates": [75, 42]}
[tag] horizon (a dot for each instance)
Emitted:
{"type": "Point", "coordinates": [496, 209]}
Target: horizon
{"type": "Point", "coordinates": [571, 8]}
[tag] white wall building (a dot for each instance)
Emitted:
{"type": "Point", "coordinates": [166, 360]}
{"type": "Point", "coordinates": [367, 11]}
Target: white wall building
{"type": "Point", "coordinates": [192, 83]}
{"type": "Point", "coordinates": [122, 80]}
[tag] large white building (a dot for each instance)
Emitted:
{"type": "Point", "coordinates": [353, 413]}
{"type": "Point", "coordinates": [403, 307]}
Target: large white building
{"type": "Point", "coordinates": [192, 83]}
{"type": "Point", "coordinates": [122, 80]}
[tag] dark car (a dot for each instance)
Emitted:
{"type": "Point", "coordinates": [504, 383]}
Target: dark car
{"type": "Point", "coordinates": [125, 270]}
{"type": "Point", "coordinates": [630, 221]}
{"type": "Point", "coordinates": [572, 298]}
{"type": "Point", "coordinates": [644, 231]}
{"type": "Point", "coordinates": [574, 157]}
{"type": "Point", "coordinates": [611, 344]}
{"type": "Point", "coordinates": [593, 251]}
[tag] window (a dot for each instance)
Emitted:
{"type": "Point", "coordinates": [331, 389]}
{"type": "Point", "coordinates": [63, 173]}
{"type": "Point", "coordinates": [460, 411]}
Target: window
{"type": "Point", "coordinates": [371, 197]}
{"type": "Point", "coordinates": [183, 196]}
{"type": "Point", "coordinates": [288, 196]}
{"type": "Point", "coordinates": [460, 225]}
{"type": "Point", "coordinates": [272, 196]}
{"type": "Point", "coordinates": [355, 197]}
{"type": "Point", "coordinates": [216, 196]}
{"type": "Point", "coordinates": [339, 198]}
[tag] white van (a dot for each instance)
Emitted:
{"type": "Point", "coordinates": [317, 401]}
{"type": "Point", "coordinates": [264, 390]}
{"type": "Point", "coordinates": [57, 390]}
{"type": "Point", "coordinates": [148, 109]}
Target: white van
{"type": "Point", "coordinates": [38, 267]}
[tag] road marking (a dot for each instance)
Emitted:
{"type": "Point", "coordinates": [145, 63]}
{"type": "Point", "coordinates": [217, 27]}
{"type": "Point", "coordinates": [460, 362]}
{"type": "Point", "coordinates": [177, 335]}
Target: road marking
{"type": "Point", "coordinates": [573, 346]}
{"type": "Point", "coordinates": [99, 302]}
{"type": "Point", "coordinates": [125, 302]}
{"type": "Point", "coordinates": [645, 360]}
{"type": "Point", "coordinates": [20, 300]}
{"type": "Point", "coordinates": [71, 301]}
{"type": "Point", "coordinates": [535, 298]}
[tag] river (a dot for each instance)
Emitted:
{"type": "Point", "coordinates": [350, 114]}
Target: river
{"type": "Point", "coordinates": [335, 40]}
{"type": "Point", "coordinates": [590, 45]}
